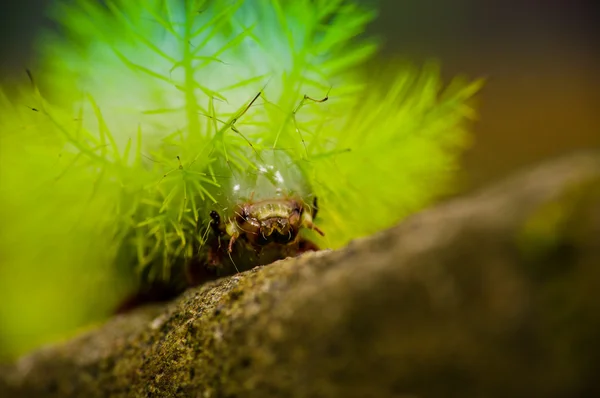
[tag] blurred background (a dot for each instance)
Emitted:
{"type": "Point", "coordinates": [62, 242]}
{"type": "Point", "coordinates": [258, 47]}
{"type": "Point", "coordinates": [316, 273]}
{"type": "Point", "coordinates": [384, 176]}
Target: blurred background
{"type": "Point", "coordinates": [542, 96]}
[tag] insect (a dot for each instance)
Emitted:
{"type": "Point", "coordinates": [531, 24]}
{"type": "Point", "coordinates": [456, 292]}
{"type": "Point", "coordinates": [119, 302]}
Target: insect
{"type": "Point", "coordinates": [260, 215]}
{"type": "Point", "coordinates": [258, 220]}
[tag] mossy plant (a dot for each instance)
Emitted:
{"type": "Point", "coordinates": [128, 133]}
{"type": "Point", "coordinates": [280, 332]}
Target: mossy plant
{"type": "Point", "coordinates": [140, 113]}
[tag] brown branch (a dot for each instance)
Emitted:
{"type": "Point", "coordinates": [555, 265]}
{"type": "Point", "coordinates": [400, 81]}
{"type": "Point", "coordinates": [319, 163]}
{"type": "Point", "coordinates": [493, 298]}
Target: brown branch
{"type": "Point", "coordinates": [492, 295]}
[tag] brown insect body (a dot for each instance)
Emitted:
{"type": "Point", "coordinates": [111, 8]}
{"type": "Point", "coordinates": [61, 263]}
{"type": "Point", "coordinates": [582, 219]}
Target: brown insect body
{"type": "Point", "coordinates": [258, 218]}
{"type": "Point", "coordinates": [258, 233]}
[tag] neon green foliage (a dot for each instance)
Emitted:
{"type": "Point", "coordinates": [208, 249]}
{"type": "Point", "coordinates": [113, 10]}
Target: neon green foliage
{"type": "Point", "coordinates": [137, 103]}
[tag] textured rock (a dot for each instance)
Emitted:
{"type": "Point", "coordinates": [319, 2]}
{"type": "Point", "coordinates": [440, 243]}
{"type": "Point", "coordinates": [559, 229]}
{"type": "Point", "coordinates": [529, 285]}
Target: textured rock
{"type": "Point", "coordinates": [496, 294]}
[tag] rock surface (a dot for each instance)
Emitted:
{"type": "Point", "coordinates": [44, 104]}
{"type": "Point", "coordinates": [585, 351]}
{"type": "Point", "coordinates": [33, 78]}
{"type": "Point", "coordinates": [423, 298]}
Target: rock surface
{"type": "Point", "coordinates": [492, 295]}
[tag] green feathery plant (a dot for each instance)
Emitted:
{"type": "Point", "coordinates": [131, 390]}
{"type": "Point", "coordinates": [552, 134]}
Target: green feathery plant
{"type": "Point", "coordinates": [141, 114]}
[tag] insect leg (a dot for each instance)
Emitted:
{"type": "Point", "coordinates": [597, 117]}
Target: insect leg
{"type": "Point", "coordinates": [300, 105]}
{"type": "Point", "coordinates": [235, 119]}
{"type": "Point", "coordinates": [215, 223]}
{"type": "Point", "coordinates": [231, 123]}
{"type": "Point", "coordinates": [305, 245]}
{"type": "Point", "coordinates": [315, 208]}
{"type": "Point", "coordinates": [307, 221]}
{"type": "Point", "coordinates": [232, 241]}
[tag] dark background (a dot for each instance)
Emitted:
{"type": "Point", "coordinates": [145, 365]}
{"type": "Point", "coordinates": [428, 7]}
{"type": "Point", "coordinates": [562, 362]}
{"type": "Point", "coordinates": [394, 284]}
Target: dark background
{"type": "Point", "coordinates": [542, 97]}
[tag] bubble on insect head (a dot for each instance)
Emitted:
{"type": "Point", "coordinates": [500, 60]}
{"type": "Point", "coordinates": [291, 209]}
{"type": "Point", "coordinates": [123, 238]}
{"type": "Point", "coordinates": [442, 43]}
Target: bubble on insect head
{"type": "Point", "coordinates": [271, 174]}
